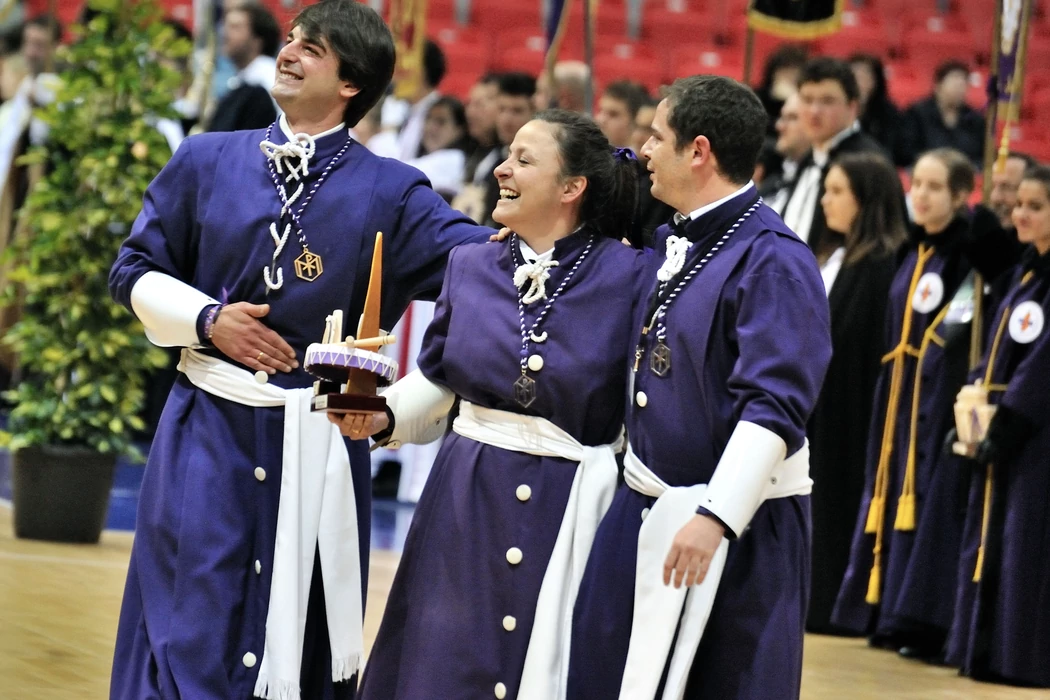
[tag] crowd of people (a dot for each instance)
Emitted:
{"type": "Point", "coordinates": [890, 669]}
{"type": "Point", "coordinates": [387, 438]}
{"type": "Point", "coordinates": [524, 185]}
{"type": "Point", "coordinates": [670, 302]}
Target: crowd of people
{"type": "Point", "coordinates": [784, 339]}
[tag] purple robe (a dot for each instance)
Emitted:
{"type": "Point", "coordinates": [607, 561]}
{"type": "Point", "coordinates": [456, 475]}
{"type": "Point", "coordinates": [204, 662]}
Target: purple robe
{"type": "Point", "coordinates": [750, 341]}
{"type": "Point", "coordinates": [199, 579]}
{"type": "Point", "coordinates": [918, 565]}
{"type": "Point", "coordinates": [1001, 630]}
{"type": "Point", "coordinates": [443, 633]}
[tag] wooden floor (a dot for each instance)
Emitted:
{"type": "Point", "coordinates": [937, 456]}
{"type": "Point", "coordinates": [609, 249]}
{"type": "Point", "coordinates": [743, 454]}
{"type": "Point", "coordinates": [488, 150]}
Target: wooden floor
{"type": "Point", "coordinates": [59, 604]}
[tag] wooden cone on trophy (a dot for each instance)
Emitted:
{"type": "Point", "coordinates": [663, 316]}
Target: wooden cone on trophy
{"type": "Point", "coordinates": [350, 372]}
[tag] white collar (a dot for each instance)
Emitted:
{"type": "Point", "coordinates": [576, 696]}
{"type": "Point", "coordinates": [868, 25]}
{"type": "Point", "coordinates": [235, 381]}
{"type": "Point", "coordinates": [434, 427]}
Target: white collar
{"type": "Point", "coordinates": [283, 122]}
{"type": "Point", "coordinates": [678, 218]}
{"type": "Point", "coordinates": [531, 256]}
{"type": "Point", "coordinates": [821, 155]}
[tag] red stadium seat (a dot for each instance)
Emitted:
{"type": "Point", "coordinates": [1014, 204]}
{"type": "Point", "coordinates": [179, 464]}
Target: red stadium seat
{"type": "Point", "coordinates": [933, 48]}
{"type": "Point", "coordinates": [647, 71]}
{"type": "Point", "coordinates": [678, 28]}
{"type": "Point", "coordinates": [503, 16]}
{"type": "Point", "coordinates": [705, 60]}
{"type": "Point", "coordinates": [465, 57]}
{"type": "Point", "coordinates": [459, 84]}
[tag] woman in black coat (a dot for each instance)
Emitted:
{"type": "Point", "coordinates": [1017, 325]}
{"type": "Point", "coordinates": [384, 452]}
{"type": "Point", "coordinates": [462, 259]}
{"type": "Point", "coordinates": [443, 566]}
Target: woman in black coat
{"type": "Point", "coordinates": [863, 205]}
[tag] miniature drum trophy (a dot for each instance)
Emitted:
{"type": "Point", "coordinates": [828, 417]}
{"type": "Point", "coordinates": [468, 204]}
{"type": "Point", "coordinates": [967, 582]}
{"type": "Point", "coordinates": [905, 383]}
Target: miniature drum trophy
{"type": "Point", "coordinates": [350, 371]}
{"type": "Point", "coordinates": [973, 415]}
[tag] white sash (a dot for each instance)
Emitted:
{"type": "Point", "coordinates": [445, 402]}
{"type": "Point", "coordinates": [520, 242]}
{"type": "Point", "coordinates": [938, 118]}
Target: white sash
{"type": "Point", "coordinates": [316, 512]}
{"type": "Point", "coordinates": [659, 608]}
{"type": "Point", "coordinates": [547, 659]}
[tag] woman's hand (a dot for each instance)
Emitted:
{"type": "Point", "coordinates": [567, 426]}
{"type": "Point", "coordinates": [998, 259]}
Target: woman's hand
{"type": "Point", "coordinates": [500, 236]}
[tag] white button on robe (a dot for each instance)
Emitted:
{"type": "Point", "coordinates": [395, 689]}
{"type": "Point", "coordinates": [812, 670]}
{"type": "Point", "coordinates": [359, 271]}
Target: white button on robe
{"type": "Point", "coordinates": [262, 377]}
{"type": "Point", "coordinates": [514, 555]}
{"type": "Point", "coordinates": [249, 659]}
{"type": "Point", "coordinates": [535, 363]}
{"type": "Point", "coordinates": [501, 691]}
{"type": "Point", "coordinates": [260, 474]}
{"type": "Point", "coordinates": [523, 492]}
{"type": "Point", "coordinates": [641, 399]}
{"type": "Point", "coordinates": [258, 566]}
{"type": "Point", "coordinates": [645, 512]}
{"type": "Point", "coordinates": [509, 623]}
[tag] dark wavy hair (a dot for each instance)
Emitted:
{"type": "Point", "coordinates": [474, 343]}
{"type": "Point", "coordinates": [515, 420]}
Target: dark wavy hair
{"type": "Point", "coordinates": [880, 227]}
{"type": "Point", "coordinates": [362, 42]}
{"type": "Point", "coordinates": [612, 183]}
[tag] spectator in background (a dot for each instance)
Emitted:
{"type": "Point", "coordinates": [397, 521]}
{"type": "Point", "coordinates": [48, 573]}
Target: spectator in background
{"type": "Point", "coordinates": [791, 146]}
{"type": "Point", "coordinates": [643, 125]}
{"type": "Point", "coordinates": [879, 117]}
{"type": "Point", "coordinates": [828, 106]}
{"type": "Point", "coordinates": [944, 120]}
{"type": "Point", "coordinates": [780, 79]}
{"type": "Point", "coordinates": [1005, 184]}
{"type": "Point", "coordinates": [569, 90]}
{"type": "Point", "coordinates": [402, 140]}
{"type": "Point", "coordinates": [443, 150]}
{"type": "Point", "coordinates": [617, 108]}
{"type": "Point", "coordinates": [481, 111]}
{"type": "Point", "coordinates": [251, 38]}
{"type": "Point", "coordinates": [515, 105]}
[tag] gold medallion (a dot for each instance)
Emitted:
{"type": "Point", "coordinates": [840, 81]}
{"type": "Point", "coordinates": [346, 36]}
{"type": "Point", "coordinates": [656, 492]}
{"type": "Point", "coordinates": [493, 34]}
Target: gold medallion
{"type": "Point", "coordinates": [308, 266]}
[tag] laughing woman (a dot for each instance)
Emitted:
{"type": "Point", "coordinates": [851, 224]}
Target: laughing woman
{"type": "Point", "coordinates": [532, 337]}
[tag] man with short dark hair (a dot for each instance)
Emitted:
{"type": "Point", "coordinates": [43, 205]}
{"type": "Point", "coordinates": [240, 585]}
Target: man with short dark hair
{"type": "Point", "coordinates": [791, 146]}
{"type": "Point", "coordinates": [944, 120]}
{"type": "Point", "coordinates": [732, 345]}
{"type": "Point", "coordinates": [251, 38]}
{"type": "Point", "coordinates": [1004, 186]}
{"type": "Point", "coordinates": [828, 106]}
{"type": "Point", "coordinates": [250, 560]}
{"type": "Point", "coordinates": [514, 108]}
{"type": "Point", "coordinates": [617, 108]}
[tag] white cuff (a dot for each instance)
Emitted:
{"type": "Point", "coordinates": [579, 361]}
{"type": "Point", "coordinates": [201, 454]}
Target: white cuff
{"type": "Point", "coordinates": [738, 486]}
{"type": "Point", "coordinates": [169, 309]}
{"type": "Point", "coordinates": [420, 409]}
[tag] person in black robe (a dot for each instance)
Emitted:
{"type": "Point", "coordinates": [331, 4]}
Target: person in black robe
{"type": "Point", "coordinates": [944, 120]}
{"type": "Point", "coordinates": [862, 204]}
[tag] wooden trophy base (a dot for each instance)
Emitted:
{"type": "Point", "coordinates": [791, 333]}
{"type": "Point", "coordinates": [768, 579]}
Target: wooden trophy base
{"type": "Point", "coordinates": [348, 403]}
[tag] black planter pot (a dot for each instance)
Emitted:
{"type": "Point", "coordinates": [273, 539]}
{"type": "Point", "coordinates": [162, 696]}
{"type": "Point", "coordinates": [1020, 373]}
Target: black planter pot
{"type": "Point", "coordinates": [61, 493]}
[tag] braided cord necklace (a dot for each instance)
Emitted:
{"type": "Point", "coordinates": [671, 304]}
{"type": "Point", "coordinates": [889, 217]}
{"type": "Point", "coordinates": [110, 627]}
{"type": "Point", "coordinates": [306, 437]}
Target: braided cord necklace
{"type": "Point", "coordinates": [525, 386]}
{"type": "Point", "coordinates": [660, 357]}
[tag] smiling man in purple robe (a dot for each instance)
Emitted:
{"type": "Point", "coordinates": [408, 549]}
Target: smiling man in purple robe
{"type": "Point", "coordinates": [249, 566]}
{"type": "Point", "coordinates": [698, 580]}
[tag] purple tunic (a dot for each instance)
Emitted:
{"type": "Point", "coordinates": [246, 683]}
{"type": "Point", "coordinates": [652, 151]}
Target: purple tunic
{"type": "Point", "coordinates": [199, 579]}
{"type": "Point", "coordinates": [443, 633]}
{"type": "Point", "coordinates": [750, 341]}
{"type": "Point", "coordinates": [917, 565]}
{"type": "Point", "coordinates": [1001, 630]}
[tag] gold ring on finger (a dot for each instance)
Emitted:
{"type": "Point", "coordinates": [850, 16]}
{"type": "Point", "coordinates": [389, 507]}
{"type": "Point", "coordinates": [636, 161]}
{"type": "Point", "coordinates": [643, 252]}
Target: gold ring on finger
{"type": "Point", "coordinates": [261, 355]}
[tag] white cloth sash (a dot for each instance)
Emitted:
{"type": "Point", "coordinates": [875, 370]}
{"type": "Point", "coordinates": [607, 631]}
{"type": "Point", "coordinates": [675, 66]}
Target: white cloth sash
{"type": "Point", "coordinates": [547, 659]}
{"type": "Point", "coordinates": [658, 608]}
{"type": "Point", "coordinates": [316, 512]}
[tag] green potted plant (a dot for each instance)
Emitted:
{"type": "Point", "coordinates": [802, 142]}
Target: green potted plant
{"type": "Point", "coordinates": [84, 360]}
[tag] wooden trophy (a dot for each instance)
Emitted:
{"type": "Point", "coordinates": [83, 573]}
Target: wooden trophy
{"type": "Point", "coordinates": [350, 371]}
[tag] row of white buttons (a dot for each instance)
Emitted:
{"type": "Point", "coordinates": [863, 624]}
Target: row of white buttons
{"type": "Point", "coordinates": [514, 555]}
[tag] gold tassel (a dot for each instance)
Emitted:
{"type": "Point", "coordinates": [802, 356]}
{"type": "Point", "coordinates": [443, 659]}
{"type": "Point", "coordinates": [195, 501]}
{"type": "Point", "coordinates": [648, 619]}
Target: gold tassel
{"type": "Point", "coordinates": [905, 519]}
{"type": "Point", "coordinates": [874, 513]}
{"type": "Point", "coordinates": [874, 585]}
{"type": "Point", "coordinates": [980, 565]}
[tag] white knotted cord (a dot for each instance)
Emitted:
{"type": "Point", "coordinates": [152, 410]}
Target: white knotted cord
{"type": "Point", "coordinates": [293, 157]}
{"type": "Point", "coordinates": [677, 249]}
{"type": "Point", "coordinates": [538, 273]}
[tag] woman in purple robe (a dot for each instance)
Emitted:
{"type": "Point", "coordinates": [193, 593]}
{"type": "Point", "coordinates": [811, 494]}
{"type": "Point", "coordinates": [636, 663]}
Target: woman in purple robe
{"type": "Point", "coordinates": [899, 585]}
{"type": "Point", "coordinates": [531, 337]}
{"type": "Point", "coordinates": [1001, 631]}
